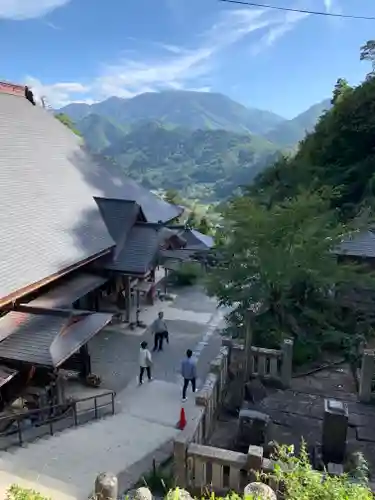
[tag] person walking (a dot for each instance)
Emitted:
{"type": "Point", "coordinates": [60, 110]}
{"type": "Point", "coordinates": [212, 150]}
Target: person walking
{"type": "Point", "coordinates": [145, 362]}
{"type": "Point", "coordinates": [160, 330]}
{"type": "Point", "coordinates": [189, 373]}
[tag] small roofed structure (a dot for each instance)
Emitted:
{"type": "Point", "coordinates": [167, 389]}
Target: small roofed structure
{"type": "Point", "coordinates": [60, 335]}
{"type": "Point", "coordinates": [194, 245]}
{"type": "Point", "coordinates": [358, 245]}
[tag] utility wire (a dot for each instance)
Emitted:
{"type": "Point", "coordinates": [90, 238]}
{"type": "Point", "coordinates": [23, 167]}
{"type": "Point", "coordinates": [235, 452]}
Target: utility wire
{"type": "Point", "coordinates": [315, 12]}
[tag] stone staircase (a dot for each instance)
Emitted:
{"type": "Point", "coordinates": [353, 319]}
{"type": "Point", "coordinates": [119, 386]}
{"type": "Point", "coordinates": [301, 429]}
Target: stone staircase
{"type": "Point", "coordinates": [145, 421]}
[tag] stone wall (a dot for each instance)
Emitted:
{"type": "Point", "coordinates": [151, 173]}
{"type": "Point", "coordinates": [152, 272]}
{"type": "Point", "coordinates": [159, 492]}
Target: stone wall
{"type": "Point", "coordinates": [192, 459]}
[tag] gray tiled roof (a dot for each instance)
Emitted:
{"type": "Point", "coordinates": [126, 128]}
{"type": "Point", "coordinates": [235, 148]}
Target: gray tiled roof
{"type": "Point", "coordinates": [46, 340]}
{"type": "Point", "coordinates": [139, 251]}
{"type": "Point", "coordinates": [109, 181]}
{"type": "Point", "coordinates": [119, 216]}
{"type": "Point", "coordinates": [68, 291]}
{"type": "Point", "coordinates": [30, 337]}
{"type": "Point", "coordinates": [359, 245]}
{"type": "Point", "coordinates": [48, 217]}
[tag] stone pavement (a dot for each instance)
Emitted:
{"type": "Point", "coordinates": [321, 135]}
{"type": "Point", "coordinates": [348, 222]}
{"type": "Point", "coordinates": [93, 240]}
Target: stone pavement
{"type": "Point", "coordinates": [115, 353]}
{"type": "Point", "coordinates": [145, 423]}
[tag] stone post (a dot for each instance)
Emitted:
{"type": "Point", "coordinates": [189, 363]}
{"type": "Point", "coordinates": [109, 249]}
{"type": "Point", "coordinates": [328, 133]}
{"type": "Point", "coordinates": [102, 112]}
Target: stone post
{"type": "Point", "coordinates": [106, 486]}
{"type": "Point", "coordinates": [286, 362]}
{"type": "Point", "coordinates": [254, 460]}
{"type": "Point", "coordinates": [180, 462]}
{"type": "Point", "coordinates": [367, 372]}
{"type": "Point", "coordinates": [335, 428]}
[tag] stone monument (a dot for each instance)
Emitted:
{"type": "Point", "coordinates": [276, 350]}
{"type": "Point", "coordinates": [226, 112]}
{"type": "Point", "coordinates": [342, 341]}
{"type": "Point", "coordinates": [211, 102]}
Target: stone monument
{"type": "Point", "coordinates": [335, 428]}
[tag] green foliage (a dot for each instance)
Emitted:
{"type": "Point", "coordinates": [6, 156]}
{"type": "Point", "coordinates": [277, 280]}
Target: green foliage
{"type": "Point", "coordinates": [187, 274]}
{"type": "Point", "coordinates": [342, 88]}
{"type": "Point", "coordinates": [99, 132]}
{"type": "Point", "coordinates": [15, 492]}
{"type": "Point", "coordinates": [185, 161]}
{"type": "Point", "coordinates": [159, 480]}
{"type": "Point", "coordinates": [203, 145]}
{"type": "Point", "coordinates": [279, 259]}
{"type": "Point", "coordinates": [338, 155]}
{"type": "Point", "coordinates": [367, 53]}
{"type": "Point", "coordinates": [65, 120]}
{"type": "Point", "coordinates": [301, 482]}
{"type": "Point", "coordinates": [172, 196]}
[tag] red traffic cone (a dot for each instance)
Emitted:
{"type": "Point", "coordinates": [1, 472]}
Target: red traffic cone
{"type": "Point", "coordinates": [182, 422]}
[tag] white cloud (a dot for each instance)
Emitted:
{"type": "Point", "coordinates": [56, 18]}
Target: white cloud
{"type": "Point", "coordinates": [279, 30]}
{"type": "Point", "coordinates": [28, 9]}
{"type": "Point", "coordinates": [59, 93]}
{"type": "Point", "coordinates": [178, 67]}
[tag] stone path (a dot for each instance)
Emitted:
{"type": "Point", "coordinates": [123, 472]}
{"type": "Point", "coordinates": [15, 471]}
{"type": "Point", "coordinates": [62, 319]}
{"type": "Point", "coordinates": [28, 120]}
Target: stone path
{"type": "Point", "coordinates": [67, 463]}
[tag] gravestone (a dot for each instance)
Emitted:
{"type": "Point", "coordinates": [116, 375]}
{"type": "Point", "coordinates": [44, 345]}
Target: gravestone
{"type": "Point", "coordinates": [253, 428]}
{"type": "Point", "coordinates": [335, 428]}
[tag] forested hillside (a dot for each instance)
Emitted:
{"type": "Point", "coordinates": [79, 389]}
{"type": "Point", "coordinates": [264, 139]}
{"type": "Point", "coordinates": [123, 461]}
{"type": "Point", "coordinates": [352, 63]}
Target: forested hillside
{"type": "Point", "coordinates": [286, 230]}
{"type": "Point", "coordinates": [207, 163]}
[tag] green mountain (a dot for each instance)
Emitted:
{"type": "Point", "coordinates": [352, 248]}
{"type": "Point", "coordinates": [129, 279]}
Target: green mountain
{"type": "Point", "coordinates": [99, 132]}
{"type": "Point", "coordinates": [206, 164]}
{"type": "Point", "coordinates": [188, 109]}
{"type": "Point", "coordinates": [290, 132]}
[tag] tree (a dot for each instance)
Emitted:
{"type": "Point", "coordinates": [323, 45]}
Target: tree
{"type": "Point", "coordinates": [172, 196]}
{"type": "Point", "coordinates": [204, 226]}
{"type": "Point", "coordinates": [193, 219]}
{"type": "Point", "coordinates": [65, 120]}
{"type": "Point", "coordinates": [338, 154]}
{"type": "Point", "coordinates": [368, 54]}
{"type": "Point", "coordinates": [279, 262]}
{"type": "Point", "coordinates": [341, 89]}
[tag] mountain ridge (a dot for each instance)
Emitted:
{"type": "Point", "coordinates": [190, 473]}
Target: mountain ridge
{"type": "Point", "coordinates": [201, 110]}
{"type": "Point", "coordinates": [188, 109]}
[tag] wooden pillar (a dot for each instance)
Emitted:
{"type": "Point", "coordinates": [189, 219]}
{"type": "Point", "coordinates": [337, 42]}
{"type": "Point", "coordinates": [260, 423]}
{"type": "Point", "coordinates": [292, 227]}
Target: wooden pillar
{"type": "Point", "coordinates": [85, 360]}
{"type": "Point", "coordinates": [165, 280]}
{"type": "Point", "coordinates": [127, 299]}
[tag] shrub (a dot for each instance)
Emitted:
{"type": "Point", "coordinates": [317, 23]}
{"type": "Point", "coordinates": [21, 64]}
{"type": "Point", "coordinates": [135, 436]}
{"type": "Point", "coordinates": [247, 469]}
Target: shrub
{"type": "Point", "coordinates": [15, 492]}
{"type": "Point", "coordinates": [187, 274]}
{"type": "Point", "coordinates": [299, 481]}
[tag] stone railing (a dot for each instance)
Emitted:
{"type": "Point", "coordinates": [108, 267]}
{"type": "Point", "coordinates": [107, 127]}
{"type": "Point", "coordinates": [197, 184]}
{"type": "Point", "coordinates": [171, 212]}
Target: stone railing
{"type": "Point", "coordinates": [219, 470]}
{"type": "Point", "coordinates": [208, 401]}
{"type": "Point", "coordinates": [366, 376]}
{"type": "Point", "coordinates": [266, 364]}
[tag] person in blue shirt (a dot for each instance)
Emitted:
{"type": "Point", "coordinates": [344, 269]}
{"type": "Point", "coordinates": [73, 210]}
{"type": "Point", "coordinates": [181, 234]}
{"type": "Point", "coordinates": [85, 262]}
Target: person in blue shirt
{"type": "Point", "coordinates": [189, 373]}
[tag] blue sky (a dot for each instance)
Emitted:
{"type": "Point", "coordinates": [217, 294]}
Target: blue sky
{"type": "Point", "coordinates": [88, 50]}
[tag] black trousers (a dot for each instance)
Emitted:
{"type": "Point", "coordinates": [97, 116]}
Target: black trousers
{"type": "Point", "coordinates": [159, 339]}
{"type": "Point", "coordinates": [186, 385]}
{"type": "Point", "coordinates": [141, 372]}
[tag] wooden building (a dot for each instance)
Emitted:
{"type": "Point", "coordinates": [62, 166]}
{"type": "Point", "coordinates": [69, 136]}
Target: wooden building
{"type": "Point", "coordinates": [73, 230]}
